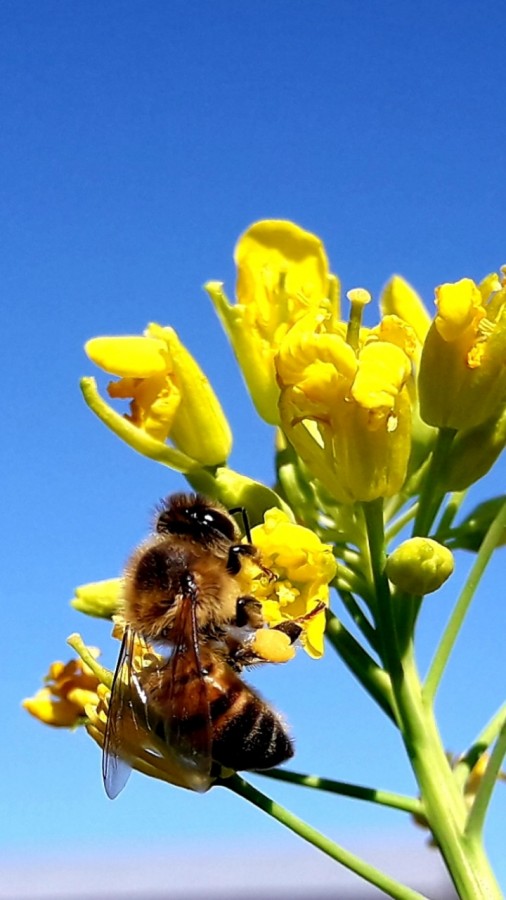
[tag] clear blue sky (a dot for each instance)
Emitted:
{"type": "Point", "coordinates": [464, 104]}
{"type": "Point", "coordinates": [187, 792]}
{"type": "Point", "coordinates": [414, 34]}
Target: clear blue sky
{"type": "Point", "coordinates": [138, 140]}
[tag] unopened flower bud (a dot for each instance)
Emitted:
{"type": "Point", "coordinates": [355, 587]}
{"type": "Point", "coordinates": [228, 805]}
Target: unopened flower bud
{"type": "Point", "coordinates": [419, 566]}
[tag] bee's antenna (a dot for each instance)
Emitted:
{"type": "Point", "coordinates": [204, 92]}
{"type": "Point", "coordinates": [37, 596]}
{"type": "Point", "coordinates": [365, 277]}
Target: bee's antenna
{"type": "Point", "coordinates": [245, 521]}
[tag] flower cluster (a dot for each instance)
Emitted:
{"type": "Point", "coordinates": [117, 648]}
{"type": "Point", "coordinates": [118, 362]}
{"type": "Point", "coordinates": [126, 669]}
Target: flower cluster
{"type": "Point", "coordinates": [374, 425]}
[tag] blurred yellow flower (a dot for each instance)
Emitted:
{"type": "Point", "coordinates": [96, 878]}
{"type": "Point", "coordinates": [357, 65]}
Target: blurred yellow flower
{"type": "Point", "coordinates": [69, 687]}
{"type": "Point", "coordinates": [462, 380]}
{"type": "Point", "coordinates": [170, 395]}
{"type": "Point", "coordinates": [282, 272]}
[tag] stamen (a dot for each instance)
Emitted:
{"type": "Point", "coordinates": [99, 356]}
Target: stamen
{"type": "Point", "coordinates": [358, 298]}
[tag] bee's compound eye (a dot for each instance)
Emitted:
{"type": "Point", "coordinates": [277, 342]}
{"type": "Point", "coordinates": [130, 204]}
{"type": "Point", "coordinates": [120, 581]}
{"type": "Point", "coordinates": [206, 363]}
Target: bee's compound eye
{"type": "Point", "coordinates": [216, 521]}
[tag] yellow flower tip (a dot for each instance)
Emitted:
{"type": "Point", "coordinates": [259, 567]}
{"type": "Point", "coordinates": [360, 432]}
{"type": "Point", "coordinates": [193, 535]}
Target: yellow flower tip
{"type": "Point", "coordinates": [171, 398]}
{"type": "Point", "coordinates": [59, 713]}
{"type": "Point", "coordinates": [419, 566]}
{"type": "Point", "coordinates": [68, 688]}
{"type": "Point", "coordinates": [458, 306]}
{"type": "Point", "coordinates": [359, 296]}
{"type": "Point", "coordinates": [134, 356]}
{"type": "Point", "coordinates": [464, 351]}
{"type": "Point", "coordinates": [273, 646]}
{"type": "Point", "coordinates": [401, 300]}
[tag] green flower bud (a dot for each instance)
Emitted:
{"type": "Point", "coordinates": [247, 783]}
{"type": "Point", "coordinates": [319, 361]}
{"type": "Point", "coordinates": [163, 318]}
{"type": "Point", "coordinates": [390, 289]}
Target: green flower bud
{"type": "Point", "coordinates": [98, 598]}
{"type": "Point", "coordinates": [419, 566]}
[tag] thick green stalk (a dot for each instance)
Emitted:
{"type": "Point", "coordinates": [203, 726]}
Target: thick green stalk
{"type": "Point", "coordinates": [444, 805]}
{"type": "Point", "coordinates": [369, 873]}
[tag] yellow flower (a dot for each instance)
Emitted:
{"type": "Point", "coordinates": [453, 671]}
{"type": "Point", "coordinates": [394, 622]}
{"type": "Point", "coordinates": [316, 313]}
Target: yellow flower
{"type": "Point", "coordinates": [69, 687]}
{"type": "Point", "coordinates": [282, 272]}
{"type": "Point", "coordinates": [304, 567]}
{"type": "Point", "coordinates": [462, 380]}
{"type": "Point", "coordinates": [347, 412]}
{"type": "Point", "coordinates": [170, 395]}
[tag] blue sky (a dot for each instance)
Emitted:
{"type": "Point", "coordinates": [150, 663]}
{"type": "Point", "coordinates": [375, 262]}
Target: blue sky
{"type": "Point", "coordinates": [138, 141]}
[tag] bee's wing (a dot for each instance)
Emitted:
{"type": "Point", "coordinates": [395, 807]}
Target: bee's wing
{"type": "Point", "coordinates": [125, 705]}
{"type": "Point", "coordinates": [187, 720]}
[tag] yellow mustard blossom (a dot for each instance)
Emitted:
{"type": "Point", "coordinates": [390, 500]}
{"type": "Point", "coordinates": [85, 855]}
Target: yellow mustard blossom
{"type": "Point", "coordinates": [98, 598]}
{"type": "Point", "coordinates": [346, 411]}
{"type": "Point", "coordinates": [68, 688]}
{"type": "Point", "coordinates": [419, 565]}
{"type": "Point", "coordinates": [282, 273]}
{"type": "Point", "coordinates": [303, 567]}
{"type": "Point", "coordinates": [462, 380]}
{"type": "Point", "coordinates": [170, 395]}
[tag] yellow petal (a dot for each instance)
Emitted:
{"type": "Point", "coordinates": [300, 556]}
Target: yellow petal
{"type": "Point", "coordinates": [59, 713]}
{"type": "Point", "coordinates": [135, 355]}
{"type": "Point", "coordinates": [402, 300]}
{"type": "Point", "coordinates": [383, 370]}
{"type": "Point", "coordinates": [278, 260]}
{"type": "Point", "coordinates": [458, 305]}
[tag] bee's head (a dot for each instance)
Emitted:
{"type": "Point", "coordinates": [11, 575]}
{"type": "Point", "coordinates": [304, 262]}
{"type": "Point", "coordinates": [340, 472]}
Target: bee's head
{"type": "Point", "coordinates": [196, 517]}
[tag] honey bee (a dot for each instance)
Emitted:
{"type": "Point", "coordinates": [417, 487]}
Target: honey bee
{"type": "Point", "coordinates": [182, 594]}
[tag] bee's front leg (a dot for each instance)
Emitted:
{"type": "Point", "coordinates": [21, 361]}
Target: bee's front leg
{"type": "Point", "coordinates": [248, 613]}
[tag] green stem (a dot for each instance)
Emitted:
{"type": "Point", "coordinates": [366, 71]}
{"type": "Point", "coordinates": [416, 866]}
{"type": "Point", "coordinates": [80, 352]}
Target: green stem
{"type": "Point", "coordinates": [359, 792]}
{"type": "Point", "coordinates": [358, 617]}
{"type": "Point", "coordinates": [105, 676]}
{"type": "Point", "coordinates": [398, 524]}
{"type": "Point", "coordinates": [457, 617]}
{"type": "Point", "coordinates": [432, 493]}
{"type": "Point", "coordinates": [449, 514]}
{"type": "Point", "coordinates": [385, 619]}
{"type": "Point", "coordinates": [367, 672]}
{"type": "Point", "coordinates": [476, 820]}
{"type": "Point", "coordinates": [374, 876]}
{"type": "Point", "coordinates": [444, 806]}
{"type": "Point", "coordinates": [132, 435]}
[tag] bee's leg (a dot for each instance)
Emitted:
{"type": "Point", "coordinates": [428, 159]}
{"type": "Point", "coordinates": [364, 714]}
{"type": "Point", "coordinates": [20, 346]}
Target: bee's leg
{"type": "Point", "coordinates": [249, 613]}
{"type": "Point", "coordinates": [293, 629]}
{"type": "Point", "coordinates": [236, 551]}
